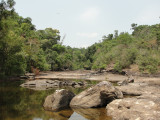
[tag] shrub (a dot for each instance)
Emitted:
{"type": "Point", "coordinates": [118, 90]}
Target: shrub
{"type": "Point", "coordinates": [148, 63]}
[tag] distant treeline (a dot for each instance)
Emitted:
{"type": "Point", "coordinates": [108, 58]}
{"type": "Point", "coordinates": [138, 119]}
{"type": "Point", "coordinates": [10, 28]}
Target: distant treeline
{"type": "Point", "coordinates": [25, 49]}
{"type": "Point", "coordinates": [141, 49]}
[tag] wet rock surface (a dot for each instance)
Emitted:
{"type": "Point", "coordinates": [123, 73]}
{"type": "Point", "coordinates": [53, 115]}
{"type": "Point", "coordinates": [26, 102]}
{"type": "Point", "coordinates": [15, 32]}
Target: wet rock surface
{"type": "Point", "coordinates": [96, 96]}
{"type": "Point", "coordinates": [58, 101]}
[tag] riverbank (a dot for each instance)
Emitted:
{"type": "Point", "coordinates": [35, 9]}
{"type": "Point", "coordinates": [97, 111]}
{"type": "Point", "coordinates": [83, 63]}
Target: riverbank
{"type": "Point", "coordinates": [92, 75]}
{"type": "Point", "coordinates": [81, 74]}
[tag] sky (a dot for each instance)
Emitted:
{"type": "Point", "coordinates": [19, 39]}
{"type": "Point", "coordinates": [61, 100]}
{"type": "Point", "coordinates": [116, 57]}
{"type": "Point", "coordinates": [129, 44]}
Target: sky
{"type": "Point", "coordinates": [84, 22]}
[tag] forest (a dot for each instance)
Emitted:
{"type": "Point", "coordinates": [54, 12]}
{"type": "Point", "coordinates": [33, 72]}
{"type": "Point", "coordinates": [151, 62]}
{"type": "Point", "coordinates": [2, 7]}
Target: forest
{"type": "Point", "coordinates": [25, 49]}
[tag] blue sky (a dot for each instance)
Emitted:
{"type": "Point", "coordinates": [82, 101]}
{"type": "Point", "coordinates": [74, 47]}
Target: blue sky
{"type": "Point", "coordinates": [84, 22]}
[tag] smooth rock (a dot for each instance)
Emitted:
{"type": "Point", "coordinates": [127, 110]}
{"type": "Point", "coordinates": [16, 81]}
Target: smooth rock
{"type": "Point", "coordinates": [137, 89]}
{"type": "Point", "coordinates": [96, 96]}
{"type": "Point", "coordinates": [59, 100]}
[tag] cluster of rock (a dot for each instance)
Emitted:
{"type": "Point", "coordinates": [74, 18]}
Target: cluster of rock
{"type": "Point", "coordinates": [144, 106]}
{"type": "Point", "coordinates": [96, 96]}
{"type": "Point", "coordinates": [48, 84]}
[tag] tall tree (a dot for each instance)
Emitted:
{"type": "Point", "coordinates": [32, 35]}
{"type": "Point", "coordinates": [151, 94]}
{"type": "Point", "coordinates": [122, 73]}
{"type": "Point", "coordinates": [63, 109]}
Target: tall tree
{"type": "Point", "coordinates": [11, 61]}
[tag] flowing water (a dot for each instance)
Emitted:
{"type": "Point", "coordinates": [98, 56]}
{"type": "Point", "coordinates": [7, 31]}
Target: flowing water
{"type": "Point", "coordinates": [18, 103]}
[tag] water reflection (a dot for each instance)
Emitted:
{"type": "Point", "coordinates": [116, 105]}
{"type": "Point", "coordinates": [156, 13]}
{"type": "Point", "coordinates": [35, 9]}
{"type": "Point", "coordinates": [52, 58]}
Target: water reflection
{"type": "Point", "coordinates": [61, 115]}
{"type": "Point", "coordinates": [93, 113]}
{"type": "Point", "coordinates": [17, 103]}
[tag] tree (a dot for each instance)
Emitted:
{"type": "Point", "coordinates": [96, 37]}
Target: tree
{"type": "Point", "coordinates": [133, 25]}
{"type": "Point", "coordinates": [125, 39]}
{"type": "Point", "coordinates": [49, 43]}
{"type": "Point", "coordinates": [11, 61]}
{"type": "Point", "coordinates": [115, 34]}
{"type": "Point", "coordinates": [48, 37]}
{"type": "Point", "coordinates": [90, 52]}
{"type": "Point", "coordinates": [109, 37]}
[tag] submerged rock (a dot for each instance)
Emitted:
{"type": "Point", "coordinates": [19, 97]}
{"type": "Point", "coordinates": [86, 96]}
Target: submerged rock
{"type": "Point", "coordinates": [96, 96]}
{"type": "Point", "coordinates": [133, 109]}
{"type": "Point", "coordinates": [59, 100]}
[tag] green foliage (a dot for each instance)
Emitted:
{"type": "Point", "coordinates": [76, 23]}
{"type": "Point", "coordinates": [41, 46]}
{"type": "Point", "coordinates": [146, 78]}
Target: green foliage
{"type": "Point", "coordinates": [118, 66]}
{"type": "Point", "coordinates": [22, 47]}
{"type": "Point", "coordinates": [109, 37]}
{"type": "Point", "coordinates": [11, 62]}
{"type": "Point", "coordinates": [88, 65]}
{"type": "Point", "coordinates": [90, 52]}
{"type": "Point", "coordinates": [133, 25]}
{"type": "Point", "coordinates": [48, 38]}
{"type": "Point", "coordinates": [124, 49]}
{"type": "Point", "coordinates": [115, 34]}
{"type": "Point", "coordinates": [148, 62]}
{"type": "Point", "coordinates": [58, 48]}
{"type": "Point", "coordinates": [124, 38]}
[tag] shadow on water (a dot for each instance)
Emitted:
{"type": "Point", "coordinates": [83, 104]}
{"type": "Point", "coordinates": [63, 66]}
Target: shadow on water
{"type": "Point", "coordinates": [19, 103]}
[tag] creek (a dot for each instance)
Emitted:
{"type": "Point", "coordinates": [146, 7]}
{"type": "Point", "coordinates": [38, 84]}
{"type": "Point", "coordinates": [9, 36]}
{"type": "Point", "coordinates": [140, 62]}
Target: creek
{"type": "Point", "coordinates": [18, 103]}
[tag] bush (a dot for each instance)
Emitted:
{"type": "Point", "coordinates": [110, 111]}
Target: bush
{"type": "Point", "coordinates": [118, 66]}
{"type": "Point", "coordinates": [148, 63]}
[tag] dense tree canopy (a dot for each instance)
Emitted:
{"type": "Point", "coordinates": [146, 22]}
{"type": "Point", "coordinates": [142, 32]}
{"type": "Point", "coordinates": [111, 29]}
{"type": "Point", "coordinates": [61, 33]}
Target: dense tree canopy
{"type": "Point", "coordinates": [25, 49]}
{"type": "Point", "coordinates": [141, 49]}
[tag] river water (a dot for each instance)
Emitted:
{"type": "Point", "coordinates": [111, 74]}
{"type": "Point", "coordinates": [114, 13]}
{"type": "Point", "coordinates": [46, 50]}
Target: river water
{"type": "Point", "coordinates": [18, 103]}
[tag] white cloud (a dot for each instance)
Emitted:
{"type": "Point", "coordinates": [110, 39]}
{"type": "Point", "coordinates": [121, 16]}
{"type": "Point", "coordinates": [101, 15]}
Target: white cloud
{"type": "Point", "coordinates": [90, 14]}
{"type": "Point", "coordinates": [88, 35]}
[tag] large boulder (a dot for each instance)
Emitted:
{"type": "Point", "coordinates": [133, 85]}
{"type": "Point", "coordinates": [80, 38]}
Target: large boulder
{"type": "Point", "coordinates": [58, 101]}
{"type": "Point", "coordinates": [133, 109]}
{"type": "Point", "coordinates": [96, 96]}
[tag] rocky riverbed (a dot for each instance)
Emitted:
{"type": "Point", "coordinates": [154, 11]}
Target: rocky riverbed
{"type": "Point", "coordinates": [141, 98]}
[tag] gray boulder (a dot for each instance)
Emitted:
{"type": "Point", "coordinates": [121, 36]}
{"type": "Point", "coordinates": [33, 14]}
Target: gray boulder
{"type": "Point", "coordinates": [133, 109]}
{"type": "Point", "coordinates": [96, 96]}
{"type": "Point", "coordinates": [58, 101]}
